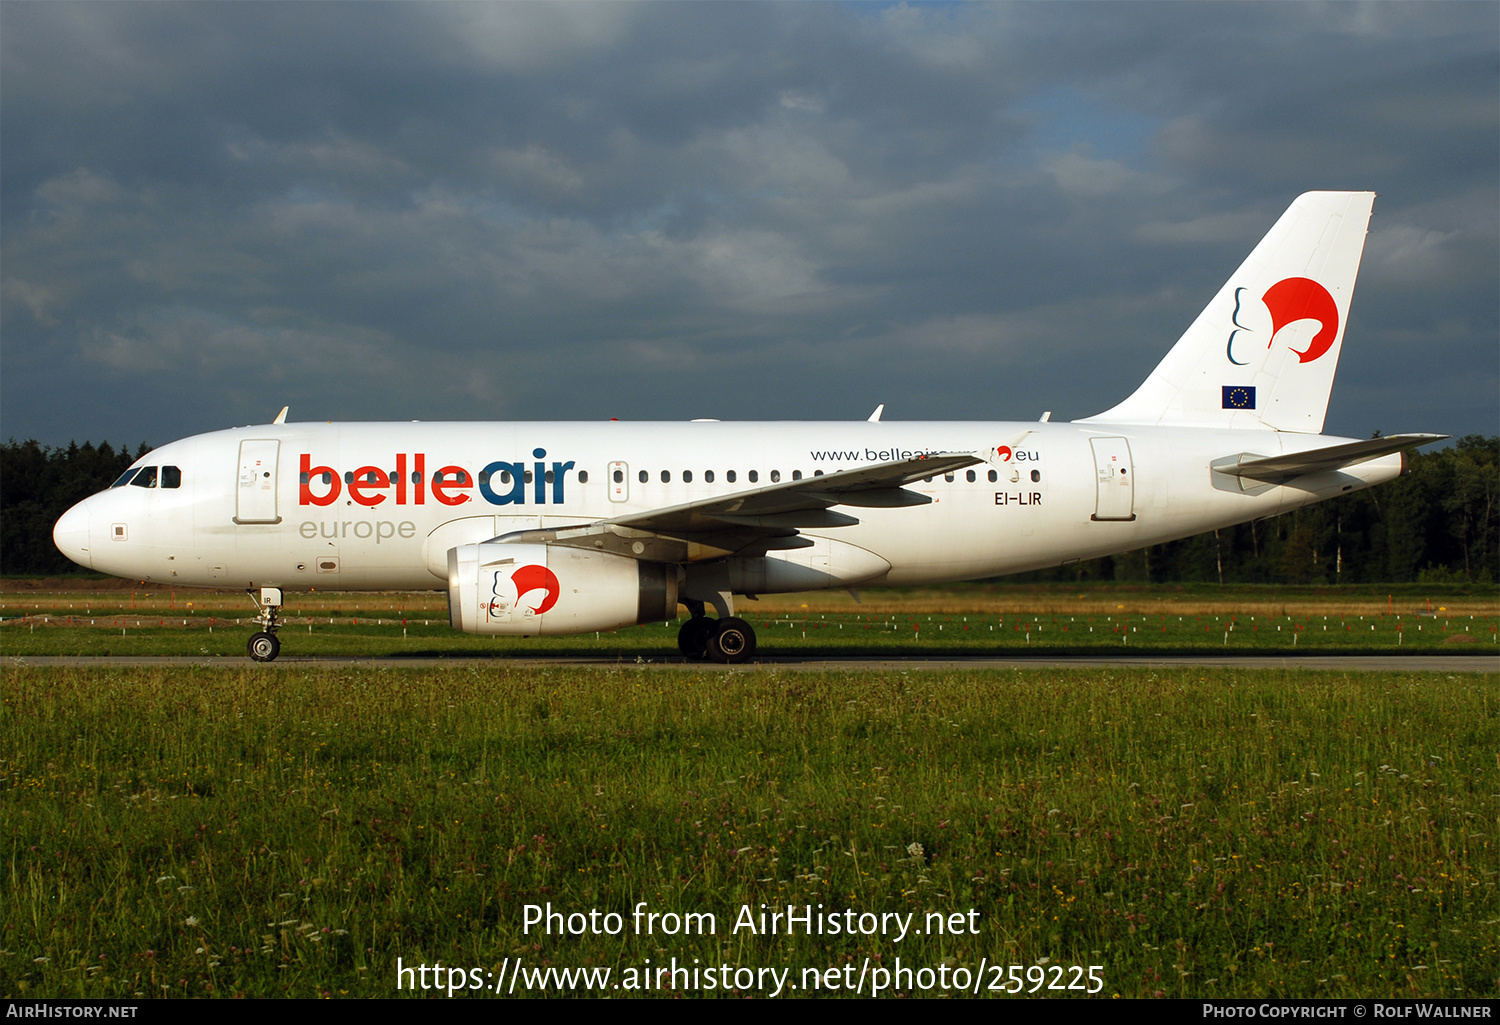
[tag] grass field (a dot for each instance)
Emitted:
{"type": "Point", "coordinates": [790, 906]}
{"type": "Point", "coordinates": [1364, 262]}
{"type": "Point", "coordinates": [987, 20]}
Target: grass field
{"type": "Point", "coordinates": [960, 620]}
{"type": "Point", "coordinates": [215, 831]}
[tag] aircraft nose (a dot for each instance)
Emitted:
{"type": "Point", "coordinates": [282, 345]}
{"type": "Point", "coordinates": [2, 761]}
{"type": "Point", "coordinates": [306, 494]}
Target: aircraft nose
{"type": "Point", "coordinates": [71, 535]}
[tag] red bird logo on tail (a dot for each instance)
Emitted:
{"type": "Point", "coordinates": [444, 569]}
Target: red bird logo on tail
{"type": "Point", "coordinates": [1293, 299]}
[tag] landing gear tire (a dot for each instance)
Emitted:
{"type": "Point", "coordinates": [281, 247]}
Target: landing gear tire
{"type": "Point", "coordinates": [732, 642]}
{"type": "Point", "coordinates": [693, 638]}
{"type": "Point", "coordinates": [263, 647]}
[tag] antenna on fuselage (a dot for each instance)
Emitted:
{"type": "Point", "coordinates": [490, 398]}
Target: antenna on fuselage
{"type": "Point", "coordinates": [281, 416]}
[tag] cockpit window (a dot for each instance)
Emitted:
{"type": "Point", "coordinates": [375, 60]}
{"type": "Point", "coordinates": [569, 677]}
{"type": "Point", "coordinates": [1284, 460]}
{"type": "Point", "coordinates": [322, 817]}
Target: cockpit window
{"type": "Point", "coordinates": [146, 478]}
{"type": "Point", "coordinates": [125, 477]}
{"type": "Point", "coordinates": [171, 477]}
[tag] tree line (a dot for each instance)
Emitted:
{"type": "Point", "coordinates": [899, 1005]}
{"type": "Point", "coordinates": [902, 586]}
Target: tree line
{"type": "Point", "coordinates": [1440, 522]}
{"type": "Point", "coordinates": [37, 485]}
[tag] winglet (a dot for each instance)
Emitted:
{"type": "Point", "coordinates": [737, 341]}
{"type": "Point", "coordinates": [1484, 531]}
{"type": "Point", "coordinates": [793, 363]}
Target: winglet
{"type": "Point", "coordinates": [281, 416]}
{"type": "Point", "coordinates": [875, 416]}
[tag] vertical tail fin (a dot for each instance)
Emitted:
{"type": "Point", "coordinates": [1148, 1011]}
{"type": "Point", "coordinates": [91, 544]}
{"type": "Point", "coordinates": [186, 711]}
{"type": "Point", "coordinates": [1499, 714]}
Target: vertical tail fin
{"type": "Point", "coordinates": [1263, 352]}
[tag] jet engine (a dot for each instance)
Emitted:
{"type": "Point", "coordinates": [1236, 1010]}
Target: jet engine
{"type": "Point", "coordinates": [532, 589]}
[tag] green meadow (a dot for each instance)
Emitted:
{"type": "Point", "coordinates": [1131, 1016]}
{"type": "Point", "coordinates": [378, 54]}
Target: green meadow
{"type": "Point", "coordinates": [229, 831]}
{"type": "Point", "coordinates": [957, 620]}
{"type": "Point", "coordinates": [415, 626]}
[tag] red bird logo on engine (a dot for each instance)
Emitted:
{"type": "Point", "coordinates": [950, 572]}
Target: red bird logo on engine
{"type": "Point", "coordinates": [537, 578]}
{"type": "Point", "coordinates": [524, 580]}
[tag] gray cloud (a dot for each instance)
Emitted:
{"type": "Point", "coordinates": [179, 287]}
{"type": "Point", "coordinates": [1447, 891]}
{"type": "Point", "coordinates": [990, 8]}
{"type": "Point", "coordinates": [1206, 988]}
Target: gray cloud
{"type": "Point", "coordinates": [748, 211]}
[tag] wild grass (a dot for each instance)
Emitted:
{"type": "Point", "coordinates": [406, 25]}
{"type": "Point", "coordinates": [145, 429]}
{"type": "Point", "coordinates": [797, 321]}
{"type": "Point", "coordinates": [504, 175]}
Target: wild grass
{"type": "Point", "coordinates": [1094, 598]}
{"type": "Point", "coordinates": [974, 619]}
{"type": "Point", "coordinates": [93, 629]}
{"type": "Point", "coordinates": [187, 831]}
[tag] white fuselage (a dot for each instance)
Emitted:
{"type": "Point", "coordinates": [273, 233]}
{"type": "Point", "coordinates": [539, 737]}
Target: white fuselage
{"type": "Point", "coordinates": [1047, 494]}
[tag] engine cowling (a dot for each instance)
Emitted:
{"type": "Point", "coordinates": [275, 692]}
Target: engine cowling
{"type": "Point", "coordinates": [532, 589]}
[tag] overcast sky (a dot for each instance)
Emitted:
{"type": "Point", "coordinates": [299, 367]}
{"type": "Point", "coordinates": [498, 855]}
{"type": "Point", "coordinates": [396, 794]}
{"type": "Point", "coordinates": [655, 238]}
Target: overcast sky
{"type": "Point", "coordinates": [744, 211]}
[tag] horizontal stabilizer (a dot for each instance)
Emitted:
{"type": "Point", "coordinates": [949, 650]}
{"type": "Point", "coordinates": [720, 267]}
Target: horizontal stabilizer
{"type": "Point", "coordinates": [1319, 460]}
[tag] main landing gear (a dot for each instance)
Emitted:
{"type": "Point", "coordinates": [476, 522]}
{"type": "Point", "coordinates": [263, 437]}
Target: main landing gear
{"type": "Point", "coordinates": [264, 646]}
{"type": "Point", "coordinates": [727, 640]}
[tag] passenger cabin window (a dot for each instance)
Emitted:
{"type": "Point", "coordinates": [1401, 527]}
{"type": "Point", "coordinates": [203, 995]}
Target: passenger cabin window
{"type": "Point", "coordinates": [754, 476]}
{"type": "Point", "coordinates": [145, 479]}
{"type": "Point", "coordinates": [643, 476]}
{"type": "Point", "coordinates": [708, 476]}
{"type": "Point", "coordinates": [729, 476]}
{"type": "Point", "coordinates": [796, 475]}
{"type": "Point", "coordinates": [970, 476]}
{"type": "Point", "coordinates": [775, 476]}
{"type": "Point", "coordinates": [171, 477]}
{"type": "Point", "coordinates": [687, 476]}
{"type": "Point", "coordinates": [948, 477]}
{"type": "Point", "coordinates": [583, 476]}
{"type": "Point", "coordinates": [619, 476]}
{"type": "Point", "coordinates": [1036, 476]}
{"type": "Point", "coordinates": [994, 476]}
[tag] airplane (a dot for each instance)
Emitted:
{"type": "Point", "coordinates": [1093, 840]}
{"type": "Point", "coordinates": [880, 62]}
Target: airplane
{"type": "Point", "coordinates": [563, 528]}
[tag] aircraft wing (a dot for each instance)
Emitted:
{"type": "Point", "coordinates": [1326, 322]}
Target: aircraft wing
{"type": "Point", "coordinates": [767, 517]}
{"type": "Point", "coordinates": [1334, 457]}
{"type": "Point", "coordinates": [879, 484]}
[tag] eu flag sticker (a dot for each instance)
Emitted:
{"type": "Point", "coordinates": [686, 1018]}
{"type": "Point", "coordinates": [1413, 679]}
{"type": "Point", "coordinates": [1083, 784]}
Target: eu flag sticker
{"type": "Point", "coordinates": [1239, 396]}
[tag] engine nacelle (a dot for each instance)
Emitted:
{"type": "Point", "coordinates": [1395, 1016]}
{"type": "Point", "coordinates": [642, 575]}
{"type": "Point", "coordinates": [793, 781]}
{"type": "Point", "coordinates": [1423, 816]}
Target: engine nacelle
{"type": "Point", "coordinates": [531, 589]}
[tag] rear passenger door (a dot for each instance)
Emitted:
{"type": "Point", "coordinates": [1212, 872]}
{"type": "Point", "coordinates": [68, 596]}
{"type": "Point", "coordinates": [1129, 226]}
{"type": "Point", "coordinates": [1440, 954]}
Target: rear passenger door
{"type": "Point", "coordinates": [1115, 497]}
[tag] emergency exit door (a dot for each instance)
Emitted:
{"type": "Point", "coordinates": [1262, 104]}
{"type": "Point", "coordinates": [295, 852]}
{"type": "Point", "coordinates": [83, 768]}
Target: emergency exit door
{"type": "Point", "coordinates": [1115, 499]}
{"type": "Point", "coordinates": [619, 482]}
{"type": "Point", "coordinates": [255, 497]}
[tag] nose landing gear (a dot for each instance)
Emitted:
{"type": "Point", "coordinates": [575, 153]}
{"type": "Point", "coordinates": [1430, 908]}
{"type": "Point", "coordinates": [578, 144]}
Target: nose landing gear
{"type": "Point", "coordinates": [263, 646]}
